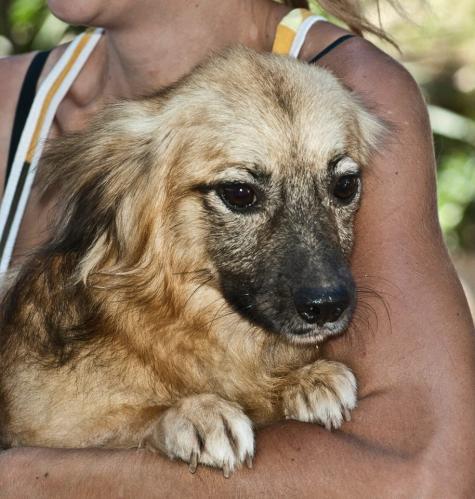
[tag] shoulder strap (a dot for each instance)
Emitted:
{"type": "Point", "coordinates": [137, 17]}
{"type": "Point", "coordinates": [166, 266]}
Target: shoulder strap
{"type": "Point", "coordinates": [330, 47]}
{"type": "Point", "coordinates": [292, 30]}
{"type": "Point", "coordinates": [25, 100]}
{"type": "Point", "coordinates": [36, 130]}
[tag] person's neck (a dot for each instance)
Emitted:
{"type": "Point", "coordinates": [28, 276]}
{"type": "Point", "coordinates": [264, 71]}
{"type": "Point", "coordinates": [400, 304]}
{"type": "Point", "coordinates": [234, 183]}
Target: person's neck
{"type": "Point", "coordinates": [172, 39]}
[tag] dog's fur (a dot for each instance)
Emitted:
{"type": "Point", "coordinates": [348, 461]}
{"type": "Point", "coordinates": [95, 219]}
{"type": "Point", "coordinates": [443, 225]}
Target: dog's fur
{"type": "Point", "coordinates": [158, 316]}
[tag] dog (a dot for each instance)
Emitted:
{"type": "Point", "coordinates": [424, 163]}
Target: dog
{"type": "Point", "coordinates": [200, 257]}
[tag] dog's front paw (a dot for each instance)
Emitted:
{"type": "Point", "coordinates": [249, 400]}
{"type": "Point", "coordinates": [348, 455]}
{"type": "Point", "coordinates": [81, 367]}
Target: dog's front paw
{"type": "Point", "coordinates": [323, 392]}
{"type": "Point", "coordinates": [205, 429]}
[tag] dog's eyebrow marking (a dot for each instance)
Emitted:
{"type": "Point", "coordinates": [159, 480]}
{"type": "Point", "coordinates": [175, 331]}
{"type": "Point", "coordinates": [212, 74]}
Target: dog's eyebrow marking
{"type": "Point", "coordinates": [344, 165]}
{"type": "Point", "coordinates": [258, 172]}
{"type": "Point", "coordinates": [236, 172]}
{"type": "Point", "coordinates": [249, 171]}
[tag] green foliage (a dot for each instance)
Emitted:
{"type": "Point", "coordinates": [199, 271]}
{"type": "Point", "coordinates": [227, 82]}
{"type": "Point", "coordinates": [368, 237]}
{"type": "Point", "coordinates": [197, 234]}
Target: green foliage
{"type": "Point", "coordinates": [27, 13]}
{"type": "Point", "coordinates": [456, 197]}
{"type": "Point", "coordinates": [27, 25]}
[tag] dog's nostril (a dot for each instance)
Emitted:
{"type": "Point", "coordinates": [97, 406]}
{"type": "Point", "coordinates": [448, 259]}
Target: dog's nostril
{"type": "Point", "coordinates": [321, 306]}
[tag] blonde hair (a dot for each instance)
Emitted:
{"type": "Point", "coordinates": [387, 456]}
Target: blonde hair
{"type": "Point", "coordinates": [351, 13]}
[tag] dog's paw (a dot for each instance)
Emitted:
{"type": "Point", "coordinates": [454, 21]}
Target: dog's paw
{"type": "Point", "coordinates": [323, 392]}
{"type": "Point", "coordinates": [205, 429]}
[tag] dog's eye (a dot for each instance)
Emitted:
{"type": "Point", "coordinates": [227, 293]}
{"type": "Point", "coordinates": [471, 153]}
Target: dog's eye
{"type": "Point", "coordinates": [346, 187]}
{"type": "Point", "coordinates": [237, 196]}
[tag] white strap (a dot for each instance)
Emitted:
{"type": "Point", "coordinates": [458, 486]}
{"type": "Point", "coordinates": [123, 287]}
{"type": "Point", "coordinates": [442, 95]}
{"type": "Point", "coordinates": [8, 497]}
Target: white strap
{"type": "Point", "coordinates": [302, 33]}
{"type": "Point", "coordinates": [27, 135]}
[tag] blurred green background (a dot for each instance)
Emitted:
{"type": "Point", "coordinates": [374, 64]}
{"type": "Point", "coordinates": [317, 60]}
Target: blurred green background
{"type": "Point", "coordinates": [437, 45]}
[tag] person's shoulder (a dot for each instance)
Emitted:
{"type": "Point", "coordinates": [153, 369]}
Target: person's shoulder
{"type": "Point", "coordinates": [13, 70]}
{"type": "Point", "coordinates": [366, 69]}
{"type": "Point", "coordinates": [355, 53]}
{"type": "Point", "coordinates": [368, 66]}
{"type": "Point", "coordinates": [12, 74]}
{"type": "Point", "coordinates": [387, 90]}
{"type": "Point", "coordinates": [14, 66]}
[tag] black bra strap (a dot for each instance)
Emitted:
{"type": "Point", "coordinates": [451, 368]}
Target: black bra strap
{"type": "Point", "coordinates": [330, 47]}
{"type": "Point", "coordinates": [25, 101]}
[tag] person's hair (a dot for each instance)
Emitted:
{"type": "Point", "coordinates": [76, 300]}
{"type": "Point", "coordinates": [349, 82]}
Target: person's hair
{"type": "Point", "coordinates": [351, 13]}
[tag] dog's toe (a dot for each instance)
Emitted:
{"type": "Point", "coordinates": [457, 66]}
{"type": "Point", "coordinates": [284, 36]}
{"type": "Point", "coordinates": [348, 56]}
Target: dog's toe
{"type": "Point", "coordinates": [205, 429]}
{"type": "Point", "coordinates": [324, 393]}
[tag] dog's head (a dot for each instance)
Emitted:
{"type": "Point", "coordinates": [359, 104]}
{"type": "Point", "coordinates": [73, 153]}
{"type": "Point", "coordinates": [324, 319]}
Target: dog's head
{"type": "Point", "coordinates": [270, 179]}
{"type": "Point", "coordinates": [253, 173]}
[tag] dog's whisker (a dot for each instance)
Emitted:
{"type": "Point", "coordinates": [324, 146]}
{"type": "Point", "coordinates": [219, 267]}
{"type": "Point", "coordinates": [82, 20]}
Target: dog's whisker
{"type": "Point", "coordinates": [197, 288]}
{"type": "Point", "coordinates": [370, 293]}
{"type": "Point", "coordinates": [216, 317]}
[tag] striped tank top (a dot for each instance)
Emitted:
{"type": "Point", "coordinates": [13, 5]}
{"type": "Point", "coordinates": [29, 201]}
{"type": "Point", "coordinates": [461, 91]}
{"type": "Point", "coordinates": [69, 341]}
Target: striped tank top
{"type": "Point", "coordinates": [36, 110]}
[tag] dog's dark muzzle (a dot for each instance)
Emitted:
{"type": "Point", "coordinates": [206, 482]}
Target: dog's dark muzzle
{"type": "Point", "coordinates": [296, 290]}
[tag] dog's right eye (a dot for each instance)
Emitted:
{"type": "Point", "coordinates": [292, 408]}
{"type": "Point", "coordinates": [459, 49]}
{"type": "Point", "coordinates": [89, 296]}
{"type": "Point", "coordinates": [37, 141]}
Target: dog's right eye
{"type": "Point", "coordinates": [237, 196]}
{"type": "Point", "coordinates": [346, 187]}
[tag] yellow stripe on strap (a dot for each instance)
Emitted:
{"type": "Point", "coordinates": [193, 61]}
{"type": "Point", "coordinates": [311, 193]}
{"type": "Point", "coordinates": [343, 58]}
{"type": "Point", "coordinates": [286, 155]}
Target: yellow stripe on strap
{"type": "Point", "coordinates": [51, 93]}
{"type": "Point", "coordinates": [287, 29]}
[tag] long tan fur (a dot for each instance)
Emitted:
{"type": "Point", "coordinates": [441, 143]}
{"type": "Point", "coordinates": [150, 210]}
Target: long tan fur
{"type": "Point", "coordinates": [117, 332]}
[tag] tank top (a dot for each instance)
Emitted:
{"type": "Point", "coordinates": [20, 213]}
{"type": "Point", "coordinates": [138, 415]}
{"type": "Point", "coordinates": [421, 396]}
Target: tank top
{"type": "Point", "coordinates": [36, 110]}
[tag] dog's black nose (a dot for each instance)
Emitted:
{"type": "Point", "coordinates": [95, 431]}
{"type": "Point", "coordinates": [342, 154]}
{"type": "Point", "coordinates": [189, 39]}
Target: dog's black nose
{"type": "Point", "coordinates": [320, 306]}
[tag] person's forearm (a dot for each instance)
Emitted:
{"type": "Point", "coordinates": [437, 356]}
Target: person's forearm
{"type": "Point", "coordinates": [293, 459]}
{"type": "Point", "coordinates": [377, 453]}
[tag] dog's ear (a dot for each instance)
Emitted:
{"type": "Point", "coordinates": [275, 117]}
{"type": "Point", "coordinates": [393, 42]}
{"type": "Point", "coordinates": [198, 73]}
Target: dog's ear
{"type": "Point", "coordinates": [368, 129]}
{"type": "Point", "coordinates": [100, 177]}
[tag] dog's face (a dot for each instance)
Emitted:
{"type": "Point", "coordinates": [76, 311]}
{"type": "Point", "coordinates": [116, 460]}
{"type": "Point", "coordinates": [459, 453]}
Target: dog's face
{"type": "Point", "coordinates": [268, 181]}
{"type": "Point", "coordinates": [279, 238]}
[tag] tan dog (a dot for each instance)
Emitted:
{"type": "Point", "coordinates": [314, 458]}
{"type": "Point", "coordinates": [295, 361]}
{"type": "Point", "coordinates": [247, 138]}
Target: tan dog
{"type": "Point", "coordinates": [200, 256]}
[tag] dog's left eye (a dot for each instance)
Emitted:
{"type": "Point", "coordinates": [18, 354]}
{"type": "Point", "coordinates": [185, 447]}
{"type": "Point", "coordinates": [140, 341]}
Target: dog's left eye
{"type": "Point", "coordinates": [346, 187]}
{"type": "Point", "coordinates": [238, 196]}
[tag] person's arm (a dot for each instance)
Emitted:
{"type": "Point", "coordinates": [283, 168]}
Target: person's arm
{"type": "Point", "coordinates": [412, 434]}
{"type": "Point", "coordinates": [293, 460]}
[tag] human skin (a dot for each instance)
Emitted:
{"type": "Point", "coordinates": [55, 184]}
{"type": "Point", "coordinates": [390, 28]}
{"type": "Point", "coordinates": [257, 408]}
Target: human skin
{"type": "Point", "coordinates": [414, 356]}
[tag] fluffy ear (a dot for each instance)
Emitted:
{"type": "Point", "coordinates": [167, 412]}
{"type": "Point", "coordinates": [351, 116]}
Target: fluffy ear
{"type": "Point", "coordinates": [100, 178]}
{"type": "Point", "coordinates": [75, 160]}
{"type": "Point", "coordinates": [370, 130]}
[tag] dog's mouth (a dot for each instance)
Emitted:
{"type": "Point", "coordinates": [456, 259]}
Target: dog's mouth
{"type": "Point", "coordinates": [299, 332]}
{"type": "Point", "coordinates": [311, 334]}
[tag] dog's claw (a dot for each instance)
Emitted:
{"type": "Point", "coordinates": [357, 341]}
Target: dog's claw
{"type": "Point", "coordinates": [248, 461]}
{"type": "Point", "coordinates": [193, 462]}
{"type": "Point", "coordinates": [226, 471]}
